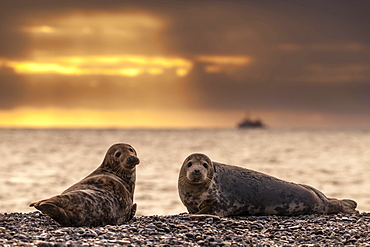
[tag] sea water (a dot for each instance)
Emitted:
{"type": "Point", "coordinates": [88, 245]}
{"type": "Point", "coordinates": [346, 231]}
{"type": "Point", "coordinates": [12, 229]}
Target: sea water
{"type": "Point", "coordinates": [36, 163]}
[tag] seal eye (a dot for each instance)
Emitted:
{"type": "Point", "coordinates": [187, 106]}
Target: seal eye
{"type": "Point", "coordinates": [117, 154]}
{"type": "Point", "coordinates": [205, 165]}
{"type": "Point", "coordinates": [132, 150]}
{"type": "Point", "coordinates": [190, 164]}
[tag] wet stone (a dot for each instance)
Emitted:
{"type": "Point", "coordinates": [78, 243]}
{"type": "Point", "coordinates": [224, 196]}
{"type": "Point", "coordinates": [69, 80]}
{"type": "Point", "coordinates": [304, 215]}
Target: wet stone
{"type": "Point", "coordinates": [151, 227]}
{"type": "Point", "coordinates": [35, 229]}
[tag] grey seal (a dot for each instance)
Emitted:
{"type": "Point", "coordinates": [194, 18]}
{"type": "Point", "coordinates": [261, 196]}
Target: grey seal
{"type": "Point", "coordinates": [103, 197]}
{"type": "Point", "coordinates": [208, 187]}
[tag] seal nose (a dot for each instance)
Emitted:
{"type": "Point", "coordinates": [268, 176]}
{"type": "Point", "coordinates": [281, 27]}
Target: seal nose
{"type": "Point", "coordinates": [133, 160]}
{"type": "Point", "coordinates": [196, 171]}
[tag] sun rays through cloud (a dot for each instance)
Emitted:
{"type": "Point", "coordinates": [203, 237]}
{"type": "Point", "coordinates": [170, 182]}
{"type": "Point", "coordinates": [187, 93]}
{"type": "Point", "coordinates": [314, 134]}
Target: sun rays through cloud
{"type": "Point", "coordinates": [158, 62]}
{"type": "Point", "coordinates": [125, 65]}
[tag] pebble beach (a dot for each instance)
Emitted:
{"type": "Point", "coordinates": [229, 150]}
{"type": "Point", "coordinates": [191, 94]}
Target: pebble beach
{"type": "Point", "coordinates": [36, 229]}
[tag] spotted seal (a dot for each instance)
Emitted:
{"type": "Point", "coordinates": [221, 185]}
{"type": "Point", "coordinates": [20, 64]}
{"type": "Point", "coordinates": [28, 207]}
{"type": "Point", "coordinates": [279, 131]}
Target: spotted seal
{"type": "Point", "coordinates": [103, 197]}
{"type": "Point", "coordinates": [207, 187]}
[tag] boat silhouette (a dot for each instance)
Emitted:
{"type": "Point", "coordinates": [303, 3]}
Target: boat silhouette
{"type": "Point", "coordinates": [247, 122]}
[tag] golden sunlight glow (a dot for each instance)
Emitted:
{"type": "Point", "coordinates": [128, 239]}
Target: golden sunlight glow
{"type": "Point", "coordinates": [125, 25]}
{"type": "Point", "coordinates": [218, 63]}
{"type": "Point", "coordinates": [155, 71]}
{"type": "Point", "coordinates": [83, 118]}
{"type": "Point", "coordinates": [130, 71]}
{"type": "Point", "coordinates": [213, 68]}
{"type": "Point", "coordinates": [44, 68]}
{"type": "Point", "coordinates": [50, 117]}
{"type": "Point", "coordinates": [226, 60]}
{"type": "Point", "coordinates": [40, 29]}
{"type": "Point", "coordinates": [98, 43]}
{"type": "Point", "coordinates": [182, 72]}
{"type": "Point", "coordinates": [125, 65]}
{"type": "Point", "coordinates": [114, 42]}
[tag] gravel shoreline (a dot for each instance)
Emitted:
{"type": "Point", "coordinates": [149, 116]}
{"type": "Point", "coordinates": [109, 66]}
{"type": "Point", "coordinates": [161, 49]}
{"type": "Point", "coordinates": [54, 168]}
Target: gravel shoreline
{"type": "Point", "coordinates": [35, 229]}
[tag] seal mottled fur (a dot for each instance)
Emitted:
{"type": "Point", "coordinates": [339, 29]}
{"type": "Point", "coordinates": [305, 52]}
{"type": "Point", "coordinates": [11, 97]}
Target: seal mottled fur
{"type": "Point", "coordinates": [103, 197]}
{"type": "Point", "coordinates": [207, 187]}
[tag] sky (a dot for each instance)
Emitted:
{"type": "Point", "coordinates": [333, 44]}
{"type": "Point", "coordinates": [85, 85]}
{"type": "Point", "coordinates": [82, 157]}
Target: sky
{"type": "Point", "coordinates": [184, 64]}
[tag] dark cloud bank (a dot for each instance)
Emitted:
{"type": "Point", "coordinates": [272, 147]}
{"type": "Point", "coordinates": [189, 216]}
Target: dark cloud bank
{"type": "Point", "coordinates": [308, 56]}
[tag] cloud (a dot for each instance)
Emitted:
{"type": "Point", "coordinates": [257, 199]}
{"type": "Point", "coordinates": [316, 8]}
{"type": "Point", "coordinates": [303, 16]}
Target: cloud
{"type": "Point", "coordinates": [309, 55]}
{"type": "Point", "coordinates": [99, 33]}
{"type": "Point", "coordinates": [337, 74]}
{"type": "Point", "coordinates": [223, 63]}
{"type": "Point", "coordinates": [13, 88]}
{"type": "Point", "coordinates": [344, 47]}
{"type": "Point", "coordinates": [223, 91]}
{"type": "Point", "coordinates": [101, 92]}
{"type": "Point", "coordinates": [13, 43]}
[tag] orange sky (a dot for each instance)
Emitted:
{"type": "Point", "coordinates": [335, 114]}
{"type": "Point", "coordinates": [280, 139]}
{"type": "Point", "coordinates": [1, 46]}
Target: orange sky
{"type": "Point", "coordinates": [126, 64]}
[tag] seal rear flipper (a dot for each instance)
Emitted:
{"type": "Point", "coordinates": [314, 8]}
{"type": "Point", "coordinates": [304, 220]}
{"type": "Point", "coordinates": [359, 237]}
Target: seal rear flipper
{"type": "Point", "coordinates": [54, 207]}
{"type": "Point", "coordinates": [349, 206]}
{"type": "Point", "coordinates": [55, 212]}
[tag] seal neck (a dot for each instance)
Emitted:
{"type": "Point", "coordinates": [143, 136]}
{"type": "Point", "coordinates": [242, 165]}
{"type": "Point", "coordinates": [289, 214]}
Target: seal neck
{"type": "Point", "coordinates": [193, 187]}
{"type": "Point", "coordinates": [127, 177]}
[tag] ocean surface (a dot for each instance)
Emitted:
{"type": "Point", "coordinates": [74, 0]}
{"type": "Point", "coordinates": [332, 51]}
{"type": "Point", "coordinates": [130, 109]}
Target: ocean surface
{"type": "Point", "coordinates": [36, 164]}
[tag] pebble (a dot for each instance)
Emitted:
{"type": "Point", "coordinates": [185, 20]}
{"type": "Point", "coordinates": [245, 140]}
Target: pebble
{"type": "Point", "coordinates": [36, 229]}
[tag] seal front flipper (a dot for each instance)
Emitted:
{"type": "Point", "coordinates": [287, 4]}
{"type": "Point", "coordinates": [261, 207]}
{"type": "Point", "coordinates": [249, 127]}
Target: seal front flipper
{"type": "Point", "coordinates": [133, 211]}
{"type": "Point", "coordinates": [54, 207]}
{"type": "Point", "coordinates": [207, 207]}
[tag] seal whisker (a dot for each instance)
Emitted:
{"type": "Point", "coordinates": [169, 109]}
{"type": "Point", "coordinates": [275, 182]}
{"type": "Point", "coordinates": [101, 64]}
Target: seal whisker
{"type": "Point", "coordinates": [143, 165]}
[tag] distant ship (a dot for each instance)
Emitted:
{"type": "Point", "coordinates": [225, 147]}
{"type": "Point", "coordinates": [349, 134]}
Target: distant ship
{"type": "Point", "coordinates": [250, 123]}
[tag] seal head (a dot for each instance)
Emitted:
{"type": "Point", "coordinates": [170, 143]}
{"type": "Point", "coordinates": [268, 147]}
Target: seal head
{"type": "Point", "coordinates": [195, 178]}
{"type": "Point", "coordinates": [103, 197]}
{"type": "Point", "coordinates": [197, 169]}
